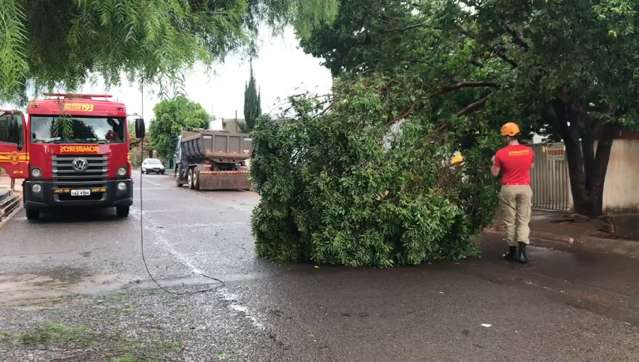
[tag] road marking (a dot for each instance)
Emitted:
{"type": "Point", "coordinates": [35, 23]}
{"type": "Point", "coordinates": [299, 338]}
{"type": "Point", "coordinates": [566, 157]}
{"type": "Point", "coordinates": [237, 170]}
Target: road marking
{"type": "Point", "coordinates": [226, 225]}
{"type": "Point", "coordinates": [151, 182]}
{"type": "Point", "coordinates": [228, 297]}
{"type": "Point", "coordinates": [160, 232]}
{"type": "Point", "coordinates": [242, 309]}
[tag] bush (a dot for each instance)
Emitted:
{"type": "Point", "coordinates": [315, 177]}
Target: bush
{"type": "Point", "coordinates": [338, 186]}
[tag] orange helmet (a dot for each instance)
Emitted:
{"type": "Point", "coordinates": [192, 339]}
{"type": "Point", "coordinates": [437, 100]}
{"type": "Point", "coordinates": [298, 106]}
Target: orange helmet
{"type": "Point", "coordinates": [510, 129]}
{"type": "Point", "coordinates": [457, 159]}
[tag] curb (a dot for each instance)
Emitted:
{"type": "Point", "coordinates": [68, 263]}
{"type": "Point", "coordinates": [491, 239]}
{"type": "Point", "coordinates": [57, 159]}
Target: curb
{"type": "Point", "coordinates": [627, 248]}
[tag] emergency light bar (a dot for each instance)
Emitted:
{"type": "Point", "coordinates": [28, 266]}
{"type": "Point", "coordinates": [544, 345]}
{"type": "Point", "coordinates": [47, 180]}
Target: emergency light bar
{"type": "Point", "coordinates": [77, 95]}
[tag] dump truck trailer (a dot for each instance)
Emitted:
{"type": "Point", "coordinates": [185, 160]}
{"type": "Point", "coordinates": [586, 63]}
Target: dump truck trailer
{"type": "Point", "coordinates": [213, 160]}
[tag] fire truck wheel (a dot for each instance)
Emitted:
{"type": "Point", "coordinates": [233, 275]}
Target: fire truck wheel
{"type": "Point", "coordinates": [33, 214]}
{"type": "Point", "coordinates": [122, 211]}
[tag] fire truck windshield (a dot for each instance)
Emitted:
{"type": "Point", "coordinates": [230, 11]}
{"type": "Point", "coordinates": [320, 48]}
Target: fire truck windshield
{"type": "Point", "coordinates": [70, 129]}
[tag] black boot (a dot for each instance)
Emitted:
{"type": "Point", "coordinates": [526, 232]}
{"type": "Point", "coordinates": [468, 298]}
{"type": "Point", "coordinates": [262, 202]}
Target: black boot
{"type": "Point", "coordinates": [511, 254]}
{"type": "Point", "coordinates": [522, 256]}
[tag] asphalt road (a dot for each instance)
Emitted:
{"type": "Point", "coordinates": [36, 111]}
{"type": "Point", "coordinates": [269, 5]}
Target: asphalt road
{"type": "Point", "coordinates": [73, 287]}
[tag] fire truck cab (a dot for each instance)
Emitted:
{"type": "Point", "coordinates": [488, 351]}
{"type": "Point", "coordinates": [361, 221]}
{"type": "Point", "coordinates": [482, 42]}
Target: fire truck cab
{"type": "Point", "coordinates": [71, 150]}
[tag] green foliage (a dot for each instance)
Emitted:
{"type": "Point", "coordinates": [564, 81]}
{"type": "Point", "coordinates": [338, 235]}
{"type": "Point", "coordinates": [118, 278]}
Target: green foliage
{"type": "Point", "coordinates": [62, 42]}
{"type": "Point", "coordinates": [348, 185]}
{"type": "Point", "coordinates": [57, 334]}
{"type": "Point", "coordinates": [12, 42]}
{"type": "Point", "coordinates": [305, 15]}
{"type": "Point", "coordinates": [565, 68]}
{"type": "Point", "coordinates": [111, 347]}
{"type": "Point", "coordinates": [63, 128]}
{"type": "Point", "coordinates": [252, 103]}
{"type": "Point", "coordinates": [171, 116]}
{"type": "Point", "coordinates": [579, 52]}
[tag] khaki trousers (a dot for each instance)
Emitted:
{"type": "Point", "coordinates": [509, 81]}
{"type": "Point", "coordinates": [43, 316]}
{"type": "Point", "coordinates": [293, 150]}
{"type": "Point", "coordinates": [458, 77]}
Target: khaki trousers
{"type": "Point", "coordinates": [515, 207]}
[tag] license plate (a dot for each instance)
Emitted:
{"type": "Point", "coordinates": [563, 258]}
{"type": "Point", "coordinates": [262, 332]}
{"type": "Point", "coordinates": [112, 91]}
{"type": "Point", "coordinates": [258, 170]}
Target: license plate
{"type": "Point", "coordinates": [80, 192]}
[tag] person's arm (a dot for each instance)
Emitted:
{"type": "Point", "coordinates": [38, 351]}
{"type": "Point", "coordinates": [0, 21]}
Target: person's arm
{"type": "Point", "coordinates": [495, 169]}
{"type": "Point", "coordinates": [532, 165]}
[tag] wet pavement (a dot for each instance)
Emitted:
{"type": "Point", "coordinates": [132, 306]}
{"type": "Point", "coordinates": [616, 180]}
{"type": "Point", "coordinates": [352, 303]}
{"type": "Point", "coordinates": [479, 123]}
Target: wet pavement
{"type": "Point", "coordinates": [73, 287]}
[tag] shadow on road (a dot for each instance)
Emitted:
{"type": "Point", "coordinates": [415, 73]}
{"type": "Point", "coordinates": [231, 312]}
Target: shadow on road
{"type": "Point", "coordinates": [72, 215]}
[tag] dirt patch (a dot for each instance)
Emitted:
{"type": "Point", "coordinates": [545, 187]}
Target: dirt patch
{"type": "Point", "coordinates": [66, 274]}
{"type": "Point", "coordinates": [47, 289]}
{"type": "Point", "coordinates": [624, 226]}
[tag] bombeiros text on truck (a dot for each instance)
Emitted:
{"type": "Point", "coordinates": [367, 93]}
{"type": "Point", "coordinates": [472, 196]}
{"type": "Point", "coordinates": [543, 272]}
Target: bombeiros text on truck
{"type": "Point", "coordinates": [71, 150]}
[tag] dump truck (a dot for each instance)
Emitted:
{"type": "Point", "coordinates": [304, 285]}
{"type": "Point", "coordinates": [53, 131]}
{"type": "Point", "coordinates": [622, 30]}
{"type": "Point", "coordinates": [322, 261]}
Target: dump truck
{"type": "Point", "coordinates": [213, 160]}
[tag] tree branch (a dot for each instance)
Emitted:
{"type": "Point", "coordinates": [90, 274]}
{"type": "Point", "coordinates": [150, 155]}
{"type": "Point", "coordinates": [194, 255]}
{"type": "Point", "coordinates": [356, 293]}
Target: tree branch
{"type": "Point", "coordinates": [517, 38]}
{"type": "Point", "coordinates": [473, 106]}
{"type": "Point", "coordinates": [405, 113]}
{"type": "Point", "coordinates": [476, 63]}
{"type": "Point", "coordinates": [502, 55]}
{"type": "Point", "coordinates": [466, 84]}
{"type": "Point", "coordinates": [407, 28]}
{"type": "Point", "coordinates": [499, 51]}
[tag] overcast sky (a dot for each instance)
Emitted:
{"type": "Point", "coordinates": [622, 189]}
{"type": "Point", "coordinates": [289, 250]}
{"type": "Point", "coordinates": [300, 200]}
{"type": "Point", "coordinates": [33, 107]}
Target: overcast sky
{"type": "Point", "coordinates": [281, 69]}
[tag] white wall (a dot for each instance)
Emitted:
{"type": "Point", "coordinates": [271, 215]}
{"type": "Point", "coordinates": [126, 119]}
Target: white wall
{"type": "Point", "coordinates": [621, 189]}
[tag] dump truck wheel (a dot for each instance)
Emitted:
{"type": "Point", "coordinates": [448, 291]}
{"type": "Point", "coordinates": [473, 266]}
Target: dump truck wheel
{"type": "Point", "coordinates": [178, 177]}
{"type": "Point", "coordinates": [196, 179]}
{"type": "Point", "coordinates": [189, 178]}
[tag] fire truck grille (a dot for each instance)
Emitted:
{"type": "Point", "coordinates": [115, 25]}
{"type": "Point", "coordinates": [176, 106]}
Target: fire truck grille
{"type": "Point", "coordinates": [80, 167]}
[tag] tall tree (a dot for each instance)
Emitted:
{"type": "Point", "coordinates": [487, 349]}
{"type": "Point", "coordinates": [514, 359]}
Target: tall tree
{"type": "Point", "coordinates": [565, 68]}
{"type": "Point", "coordinates": [55, 43]}
{"type": "Point", "coordinates": [252, 102]}
{"type": "Point", "coordinates": [171, 117]}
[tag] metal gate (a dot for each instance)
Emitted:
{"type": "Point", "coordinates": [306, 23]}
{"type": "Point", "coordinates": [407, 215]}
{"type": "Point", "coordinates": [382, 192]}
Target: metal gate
{"type": "Point", "coordinates": [550, 178]}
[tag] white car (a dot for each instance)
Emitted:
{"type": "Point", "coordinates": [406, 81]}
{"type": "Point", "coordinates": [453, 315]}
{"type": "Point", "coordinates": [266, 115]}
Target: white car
{"type": "Point", "coordinates": [152, 165]}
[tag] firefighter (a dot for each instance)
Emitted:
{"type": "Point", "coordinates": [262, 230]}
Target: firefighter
{"type": "Point", "coordinates": [514, 163]}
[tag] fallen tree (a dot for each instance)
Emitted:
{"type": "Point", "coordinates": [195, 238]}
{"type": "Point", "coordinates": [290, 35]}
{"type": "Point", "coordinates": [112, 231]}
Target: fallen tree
{"type": "Point", "coordinates": [363, 178]}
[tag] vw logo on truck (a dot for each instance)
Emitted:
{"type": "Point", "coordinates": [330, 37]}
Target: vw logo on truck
{"type": "Point", "coordinates": [79, 164]}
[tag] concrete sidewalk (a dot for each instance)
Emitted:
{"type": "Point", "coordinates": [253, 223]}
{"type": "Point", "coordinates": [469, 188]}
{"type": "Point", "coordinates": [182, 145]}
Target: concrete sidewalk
{"type": "Point", "coordinates": [568, 231]}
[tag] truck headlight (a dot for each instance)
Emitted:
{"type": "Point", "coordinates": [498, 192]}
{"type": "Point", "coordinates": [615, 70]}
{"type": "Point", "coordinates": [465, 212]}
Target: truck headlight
{"type": "Point", "coordinates": [35, 172]}
{"type": "Point", "coordinates": [36, 189]}
{"type": "Point", "coordinates": [121, 186]}
{"type": "Point", "coordinates": [122, 171]}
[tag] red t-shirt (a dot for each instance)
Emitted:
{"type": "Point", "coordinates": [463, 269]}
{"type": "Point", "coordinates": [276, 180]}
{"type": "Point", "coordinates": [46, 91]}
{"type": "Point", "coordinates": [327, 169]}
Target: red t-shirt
{"type": "Point", "coordinates": [515, 163]}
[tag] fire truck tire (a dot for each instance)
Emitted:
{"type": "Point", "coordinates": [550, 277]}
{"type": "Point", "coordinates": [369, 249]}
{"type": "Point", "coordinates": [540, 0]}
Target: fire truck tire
{"type": "Point", "coordinates": [32, 214]}
{"type": "Point", "coordinates": [122, 211]}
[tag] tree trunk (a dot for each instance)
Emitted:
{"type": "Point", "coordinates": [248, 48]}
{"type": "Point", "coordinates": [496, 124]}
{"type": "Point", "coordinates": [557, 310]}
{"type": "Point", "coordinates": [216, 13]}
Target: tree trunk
{"type": "Point", "coordinates": [604, 146]}
{"type": "Point", "coordinates": [587, 165]}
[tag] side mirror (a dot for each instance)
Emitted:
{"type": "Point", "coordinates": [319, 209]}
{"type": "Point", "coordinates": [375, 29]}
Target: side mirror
{"type": "Point", "coordinates": [140, 129]}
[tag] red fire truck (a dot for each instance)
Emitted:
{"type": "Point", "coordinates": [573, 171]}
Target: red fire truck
{"type": "Point", "coordinates": [71, 150]}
